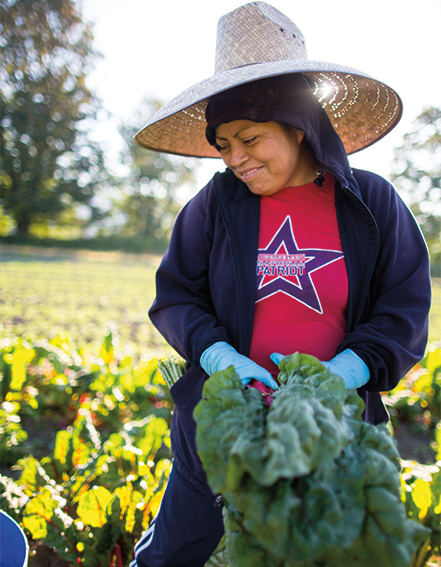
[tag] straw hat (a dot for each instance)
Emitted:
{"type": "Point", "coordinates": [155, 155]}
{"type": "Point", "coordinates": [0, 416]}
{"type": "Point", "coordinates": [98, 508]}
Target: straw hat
{"type": "Point", "coordinates": [257, 41]}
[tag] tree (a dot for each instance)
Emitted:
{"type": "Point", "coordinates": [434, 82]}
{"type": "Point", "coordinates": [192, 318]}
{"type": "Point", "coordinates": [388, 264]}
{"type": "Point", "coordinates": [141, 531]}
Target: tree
{"type": "Point", "coordinates": [152, 190]}
{"type": "Point", "coordinates": [416, 171]}
{"type": "Point", "coordinates": [49, 163]}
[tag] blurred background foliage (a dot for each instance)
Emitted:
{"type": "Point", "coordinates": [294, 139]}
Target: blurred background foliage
{"type": "Point", "coordinates": [50, 163]}
{"type": "Point", "coordinates": [150, 196]}
{"type": "Point", "coordinates": [55, 182]}
{"type": "Point", "coordinates": [416, 172]}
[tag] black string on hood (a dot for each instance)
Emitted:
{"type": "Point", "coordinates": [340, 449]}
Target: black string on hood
{"type": "Point", "coordinates": [287, 99]}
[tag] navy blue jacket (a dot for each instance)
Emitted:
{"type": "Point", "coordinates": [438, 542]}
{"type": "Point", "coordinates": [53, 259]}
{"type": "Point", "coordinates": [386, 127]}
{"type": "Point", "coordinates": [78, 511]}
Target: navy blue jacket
{"type": "Point", "coordinates": [207, 280]}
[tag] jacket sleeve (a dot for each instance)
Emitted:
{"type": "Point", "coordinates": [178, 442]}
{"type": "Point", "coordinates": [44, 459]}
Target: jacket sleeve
{"type": "Point", "coordinates": [391, 335]}
{"type": "Point", "coordinates": [183, 311]}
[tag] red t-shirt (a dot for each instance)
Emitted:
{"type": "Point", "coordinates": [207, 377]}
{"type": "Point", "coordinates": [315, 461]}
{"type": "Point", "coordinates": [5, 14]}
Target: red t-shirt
{"type": "Point", "coordinates": [302, 283]}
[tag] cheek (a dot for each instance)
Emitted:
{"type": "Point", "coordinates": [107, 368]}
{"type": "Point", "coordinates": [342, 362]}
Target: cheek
{"type": "Point", "coordinates": [293, 157]}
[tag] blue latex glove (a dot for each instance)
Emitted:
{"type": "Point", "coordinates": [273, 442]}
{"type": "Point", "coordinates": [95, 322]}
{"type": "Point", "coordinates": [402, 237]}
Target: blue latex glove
{"type": "Point", "coordinates": [221, 355]}
{"type": "Point", "coordinates": [276, 357]}
{"type": "Point", "coordinates": [347, 364]}
{"type": "Point", "coordinates": [350, 367]}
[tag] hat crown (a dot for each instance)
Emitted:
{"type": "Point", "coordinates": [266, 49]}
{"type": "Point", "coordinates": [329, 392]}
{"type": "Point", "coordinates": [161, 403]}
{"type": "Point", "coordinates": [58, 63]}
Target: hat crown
{"type": "Point", "coordinates": [256, 33]}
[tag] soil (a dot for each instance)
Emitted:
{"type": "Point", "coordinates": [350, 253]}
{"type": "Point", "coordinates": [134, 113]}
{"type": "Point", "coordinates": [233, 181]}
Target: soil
{"type": "Point", "coordinates": [41, 555]}
{"type": "Point", "coordinates": [414, 445]}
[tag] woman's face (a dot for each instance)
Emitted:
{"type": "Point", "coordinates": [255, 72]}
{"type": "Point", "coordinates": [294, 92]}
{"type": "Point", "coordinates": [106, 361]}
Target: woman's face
{"type": "Point", "coordinates": [265, 156]}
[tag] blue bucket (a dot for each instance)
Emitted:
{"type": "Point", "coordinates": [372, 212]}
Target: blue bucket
{"type": "Point", "coordinates": [14, 548]}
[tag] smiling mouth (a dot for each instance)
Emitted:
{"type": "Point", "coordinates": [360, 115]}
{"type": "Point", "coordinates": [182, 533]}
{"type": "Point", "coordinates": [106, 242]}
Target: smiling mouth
{"type": "Point", "coordinates": [249, 174]}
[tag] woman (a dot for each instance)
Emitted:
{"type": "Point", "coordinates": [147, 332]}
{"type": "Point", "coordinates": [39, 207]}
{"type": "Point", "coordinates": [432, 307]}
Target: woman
{"type": "Point", "coordinates": [287, 250]}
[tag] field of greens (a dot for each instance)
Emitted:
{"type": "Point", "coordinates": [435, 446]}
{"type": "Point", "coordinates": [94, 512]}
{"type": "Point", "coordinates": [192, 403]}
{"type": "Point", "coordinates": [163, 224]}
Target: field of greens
{"type": "Point", "coordinates": [80, 295]}
{"type": "Point", "coordinates": [85, 414]}
{"type": "Point", "coordinates": [84, 294]}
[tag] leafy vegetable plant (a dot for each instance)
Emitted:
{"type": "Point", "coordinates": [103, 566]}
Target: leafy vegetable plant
{"type": "Point", "coordinates": [89, 499]}
{"type": "Point", "coordinates": [421, 494]}
{"type": "Point", "coordinates": [49, 380]}
{"type": "Point", "coordinates": [417, 399]}
{"type": "Point", "coordinates": [305, 482]}
{"type": "Point", "coordinates": [92, 495]}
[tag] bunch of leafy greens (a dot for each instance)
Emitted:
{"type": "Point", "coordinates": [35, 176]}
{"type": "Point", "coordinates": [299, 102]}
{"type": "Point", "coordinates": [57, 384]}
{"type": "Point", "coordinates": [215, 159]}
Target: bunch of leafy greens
{"type": "Point", "coordinates": [305, 482]}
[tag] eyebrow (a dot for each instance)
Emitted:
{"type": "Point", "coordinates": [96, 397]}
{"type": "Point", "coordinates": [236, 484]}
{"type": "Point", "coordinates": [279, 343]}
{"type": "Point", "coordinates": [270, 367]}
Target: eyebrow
{"type": "Point", "coordinates": [236, 134]}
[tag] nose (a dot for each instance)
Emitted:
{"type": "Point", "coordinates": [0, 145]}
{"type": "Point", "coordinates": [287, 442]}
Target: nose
{"type": "Point", "coordinates": [238, 155]}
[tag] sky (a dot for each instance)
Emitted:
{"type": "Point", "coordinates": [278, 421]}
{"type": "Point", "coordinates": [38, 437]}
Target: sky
{"type": "Point", "coordinates": [159, 48]}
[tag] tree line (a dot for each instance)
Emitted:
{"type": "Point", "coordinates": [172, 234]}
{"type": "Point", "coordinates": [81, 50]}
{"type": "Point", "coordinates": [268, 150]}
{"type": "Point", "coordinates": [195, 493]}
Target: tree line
{"type": "Point", "coordinates": [53, 172]}
{"type": "Point", "coordinates": [52, 169]}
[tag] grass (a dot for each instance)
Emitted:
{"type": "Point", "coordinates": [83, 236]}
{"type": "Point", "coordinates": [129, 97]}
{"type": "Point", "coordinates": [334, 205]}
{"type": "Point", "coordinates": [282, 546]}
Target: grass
{"type": "Point", "coordinates": [83, 294]}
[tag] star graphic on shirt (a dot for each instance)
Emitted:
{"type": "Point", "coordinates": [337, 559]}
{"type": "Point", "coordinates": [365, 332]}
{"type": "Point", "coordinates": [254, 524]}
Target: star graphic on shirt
{"type": "Point", "coordinates": [283, 267]}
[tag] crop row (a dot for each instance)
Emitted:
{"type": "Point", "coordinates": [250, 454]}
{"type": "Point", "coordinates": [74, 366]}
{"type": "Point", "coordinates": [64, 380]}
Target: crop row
{"type": "Point", "coordinates": [87, 452]}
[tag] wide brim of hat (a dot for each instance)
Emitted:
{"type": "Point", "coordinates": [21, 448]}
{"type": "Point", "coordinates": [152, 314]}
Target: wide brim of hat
{"type": "Point", "coordinates": [361, 109]}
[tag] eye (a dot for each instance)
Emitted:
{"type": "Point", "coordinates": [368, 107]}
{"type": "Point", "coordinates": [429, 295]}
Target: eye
{"type": "Point", "coordinates": [222, 149]}
{"type": "Point", "coordinates": [250, 141]}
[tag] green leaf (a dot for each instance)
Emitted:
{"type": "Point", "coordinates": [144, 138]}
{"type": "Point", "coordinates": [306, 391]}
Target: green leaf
{"type": "Point", "coordinates": [129, 500]}
{"type": "Point", "coordinates": [107, 353]}
{"type": "Point", "coordinates": [110, 530]}
{"type": "Point", "coordinates": [30, 477]}
{"type": "Point", "coordinates": [6, 374]}
{"type": "Point", "coordinates": [438, 442]}
{"type": "Point", "coordinates": [21, 357]}
{"type": "Point", "coordinates": [154, 433]}
{"type": "Point", "coordinates": [92, 506]}
{"type": "Point", "coordinates": [433, 360]}
{"type": "Point", "coordinates": [63, 448]}
{"type": "Point", "coordinates": [422, 496]}
{"type": "Point", "coordinates": [38, 514]}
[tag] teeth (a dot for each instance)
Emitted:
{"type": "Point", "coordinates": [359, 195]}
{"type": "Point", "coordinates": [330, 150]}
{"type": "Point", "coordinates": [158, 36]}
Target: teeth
{"type": "Point", "coordinates": [248, 173]}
